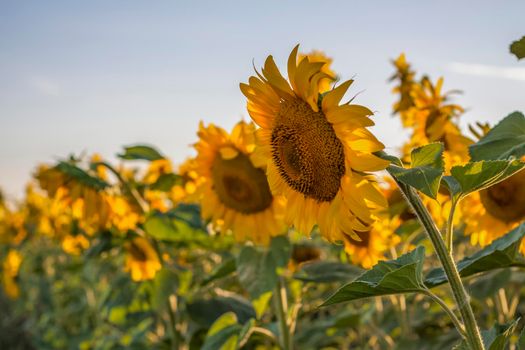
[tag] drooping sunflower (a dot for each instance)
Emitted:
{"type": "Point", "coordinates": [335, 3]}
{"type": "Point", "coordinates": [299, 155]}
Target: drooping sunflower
{"type": "Point", "coordinates": [434, 119]}
{"type": "Point", "coordinates": [142, 261]}
{"type": "Point", "coordinates": [406, 77]}
{"type": "Point", "coordinates": [318, 152]}
{"type": "Point", "coordinates": [233, 189]}
{"type": "Point", "coordinates": [374, 244]}
{"type": "Point", "coordinates": [492, 212]}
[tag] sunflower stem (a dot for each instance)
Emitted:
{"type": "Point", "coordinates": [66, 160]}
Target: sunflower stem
{"type": "Point", "coordinates": [461, 297]}
{"type": "Point", "coordinates": [281, 306]}
{"type": "Point", "coordinates": [450, 313]}
{"type": "Point", "coordinates": [449, 233]}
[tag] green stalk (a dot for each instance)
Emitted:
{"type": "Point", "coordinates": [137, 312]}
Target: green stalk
{"type": "Point", "coordinates": [449, 233]}
{"type": "Point", "coordinates": [281, 311]}
{"type": "Point", "coordinates": [458, 290]}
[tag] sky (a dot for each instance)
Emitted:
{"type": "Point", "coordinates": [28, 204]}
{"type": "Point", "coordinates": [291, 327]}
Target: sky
{"type": "Point", "coordinates": [94, 76]}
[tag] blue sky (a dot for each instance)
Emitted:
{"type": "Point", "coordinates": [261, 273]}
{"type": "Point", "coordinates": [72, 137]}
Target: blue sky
{"type": "Point", "coordinates": [93, 76]}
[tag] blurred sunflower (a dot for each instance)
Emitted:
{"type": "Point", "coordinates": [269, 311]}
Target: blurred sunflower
{"type": "Point", "coordinates": [142, 261]}
{"type": "Point", "coordinates": [185, 190]}
{"type": "Point", "coordinates": [89, 203]}
{"type": "Point", "coordinates": [374, 243]}
{"type": "Point", "coordinates": [233, 190]}
{"type": "Point", "coordinates": [492, 212]}
{"type": "Point", "coordinates": [325, 84]}
{"type": "Point", "coordinates": [10, 268]}
{"type": "Point", "coordinates": [75, 245]}
{"type": "Point", "coordinates": [433, 119]}
{"type": "Point", "coordinates": [405, 75]}
{"type": "Point", "coordinates": [124, 216]}
{"type": "Point", "coordinates": [317, 151]}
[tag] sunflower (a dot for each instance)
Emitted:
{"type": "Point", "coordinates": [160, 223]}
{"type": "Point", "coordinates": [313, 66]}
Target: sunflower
{"type": "Point", "coordinates": [405, 75]}
{"type": "Point", "coordinates": [142, 261]}
{"type": "Point", "coordinates": [433, 119]}
{"type": "Point", "coordinates": [75, 245]}
{"type": "Point", "coordinates": [319, 56]}
{"type": "Point", "coordinates": [233, 190]}
{"type": "Point", "coordinates": [492, 212]}
{"type": "Point", "coordinates": [185, 190]}
{"type": "Point", "coordinates": [317, 151]}
{"type": "Point", "coordinates": [10, 268]}
{"type": "Point", "coordinates": [374, 244]}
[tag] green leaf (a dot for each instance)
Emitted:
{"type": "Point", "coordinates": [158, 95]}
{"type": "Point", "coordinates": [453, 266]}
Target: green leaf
{"type": "Point", "coordinates": [205, 312]}
{"type": "Point", "coordinates": [476, 176]}
{"type": "Point", "coordinates": [403, 275]}
{"type": "Point", "coordinates": [488, 285]}
{"type": "Point", "coordinates": [327, 271]}
{"type": "Point", "coordinates": [161, 227]}
{"type": "Point", "coordinates": [142, 152]}
{"type": "Point", "coordinates": [257, 267]}
{"type": "Point", "coordinates": [495, 338]}
{"type": "Point", "coordinates": [223, 334]}
{"type": "Point", "coordinates": [164, 285]}
{"type": "Point", "coordinates": [165, 182]}
{"type": "Point", "coordinates": [81, 176]}
{"type": "Point", "coordinates": [426, 171]}
{"type": "Point", "coordinates": [517, 48]}
{"type": "Point", "coordinates": [227, 267]}
{"type": "Point", "coordinates": [503, 252]}
{"type": "Point", "coordinates": [504, 140]}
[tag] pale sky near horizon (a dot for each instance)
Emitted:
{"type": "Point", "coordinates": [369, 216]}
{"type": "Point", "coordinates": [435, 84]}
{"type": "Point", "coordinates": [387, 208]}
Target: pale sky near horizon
{"type": "Point", "coordinates": [94, 76]}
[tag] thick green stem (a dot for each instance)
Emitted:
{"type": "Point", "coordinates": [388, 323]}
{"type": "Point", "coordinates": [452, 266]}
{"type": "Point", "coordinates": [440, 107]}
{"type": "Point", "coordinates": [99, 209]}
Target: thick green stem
{"type": "Point", "coordinates": [281, 307]}
{"type": "Point", "coordinates": [449, 233]}
{"type": "Point", "coordinates": [458, 290]}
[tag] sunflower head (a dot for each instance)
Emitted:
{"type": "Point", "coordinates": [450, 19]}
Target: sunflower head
{"type": "Point", "coordinates": [405, 76]}
{"type": "Point", "coordinates": [317, 151]}
{"type": "Point", "coordinates": [505, 201]}
{"type": "Point", "coordinates": [233, 189]}
{"type": "Point", "coordinates": [374, 244]}
{"type": "Point", "coordinates": [142, 261]}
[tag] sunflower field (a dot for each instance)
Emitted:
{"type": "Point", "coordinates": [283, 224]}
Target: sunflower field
{"type": "Point", "coordinates": [293, 230]}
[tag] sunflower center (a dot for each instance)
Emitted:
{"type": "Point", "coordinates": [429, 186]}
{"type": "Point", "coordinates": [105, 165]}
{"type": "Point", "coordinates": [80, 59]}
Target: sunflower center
{"type": "Point", "coordinates": [307, 152]}
{"type": "Point", "coordinates": [365, 239]}
{"type": "Point", "coordinates": [506, 200]}
{"type": "Point", "coordinates": [137, 253]}
{"type": "Point", "coordinates": [239, 185]}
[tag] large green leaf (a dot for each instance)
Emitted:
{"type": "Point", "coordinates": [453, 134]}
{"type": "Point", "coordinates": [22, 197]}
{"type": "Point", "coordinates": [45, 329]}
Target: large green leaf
{"type": "Point", "coordinates": [517, 48]}
{"type": "Point", "coordinates": [223, 334]}
{"type": "Point", "coordinates": [327, 271]}
{"type": "Point", "coordinates": [142, 152]}
{"type": "Point", "coordinates": [161, 226]}
{"type": "Point", "coordinates": [181, 224]}
{"type": "Point", "coordinates": [227, 267]}
{"type": "Point", "coordinates": [426, 169]}
{"type": "Point", "coordinates": [206, 311]}
{"type": "Point", "coordinates": [257, 267]}
{"type": "Point", "coordinates": [164, 285]}
{"type": "Point", "coordinates": [503, 252]}
{"type": "Point", "coordinates": [476, 176]}
{"type": "Point", "coordinates": [403, 275]}
{"type": "Point", "coordinates": [81, 176]}
{"type": "Point", "coordinates": [165, 182]}
{"type": "Point", "coordinates": [504, 140]}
